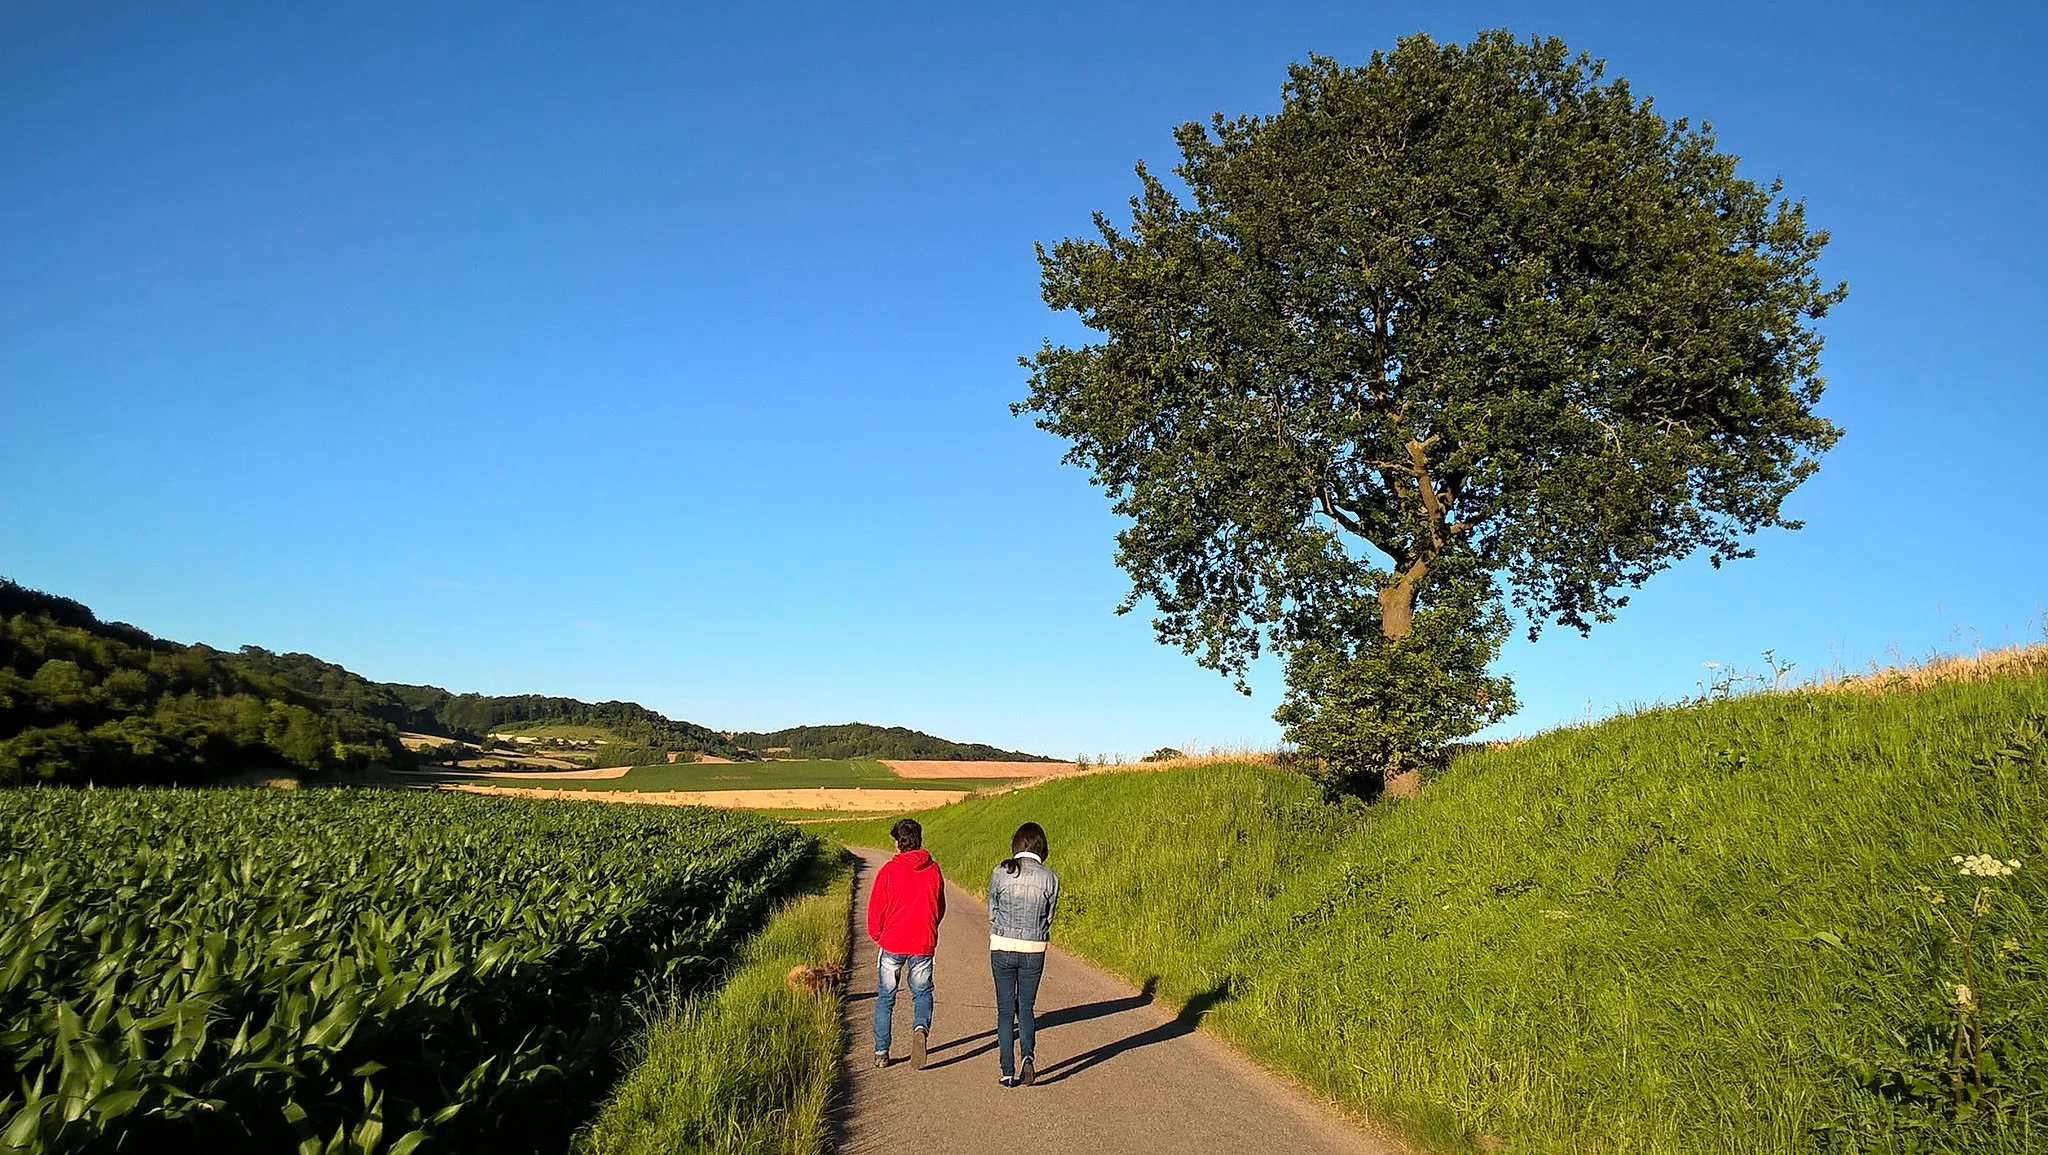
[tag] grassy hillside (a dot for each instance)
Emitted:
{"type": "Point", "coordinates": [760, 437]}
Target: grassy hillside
{"type": "Point", "coordinates": [861, 740]}
{"type": "Point", "coordinates": [1699, 929]}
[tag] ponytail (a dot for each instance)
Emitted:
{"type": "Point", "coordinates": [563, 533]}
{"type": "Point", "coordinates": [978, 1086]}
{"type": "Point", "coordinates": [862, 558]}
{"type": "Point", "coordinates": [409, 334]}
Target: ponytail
{"type": "Point", "coordinates": [1029, 839]}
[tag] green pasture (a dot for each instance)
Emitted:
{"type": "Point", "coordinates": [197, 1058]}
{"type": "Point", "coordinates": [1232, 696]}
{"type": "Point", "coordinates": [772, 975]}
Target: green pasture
{"type": "Point", "coordinates": [1710, 928]}
{"type": "Point", "coordinates": [839, 773]}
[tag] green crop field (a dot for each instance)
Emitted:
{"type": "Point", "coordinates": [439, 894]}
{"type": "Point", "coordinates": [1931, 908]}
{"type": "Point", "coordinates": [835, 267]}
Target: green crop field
{"type": "Point", "coordinates": [1738, 926]}
{"type": "Point", "coordinates": [837, 773]}
{"type": "Point", "coordinates": [347, 971]}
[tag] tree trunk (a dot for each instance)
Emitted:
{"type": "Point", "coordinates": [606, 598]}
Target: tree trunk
{"type": "Point", "coordinates": [1397, 601]}
{"type": "Point", "coordinates": [1397, 619]}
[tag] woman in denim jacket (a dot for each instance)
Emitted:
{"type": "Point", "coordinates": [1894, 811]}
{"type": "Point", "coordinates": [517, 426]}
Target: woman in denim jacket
{"type": "Point", "coordinates": [1022, 894]}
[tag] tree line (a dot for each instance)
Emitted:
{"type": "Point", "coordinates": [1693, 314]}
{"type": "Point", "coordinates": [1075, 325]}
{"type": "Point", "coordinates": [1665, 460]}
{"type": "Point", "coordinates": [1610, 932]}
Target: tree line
{"type": "Point", "coordinates": [83, 700]}
{"type": "Point", "coordinates": [862, 740]}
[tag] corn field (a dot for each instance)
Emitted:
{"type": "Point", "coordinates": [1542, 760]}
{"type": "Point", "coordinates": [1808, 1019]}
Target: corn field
{"type": "Point", "coordinates": [341, 971]}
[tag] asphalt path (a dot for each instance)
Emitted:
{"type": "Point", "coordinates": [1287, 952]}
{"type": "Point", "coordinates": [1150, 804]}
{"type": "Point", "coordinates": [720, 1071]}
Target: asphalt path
{"type": "Point", "coordinates": [1116, 1070]}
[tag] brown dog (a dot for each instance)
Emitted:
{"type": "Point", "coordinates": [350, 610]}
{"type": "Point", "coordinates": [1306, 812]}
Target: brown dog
{"type": "Point", "coordinates": [811, 980]}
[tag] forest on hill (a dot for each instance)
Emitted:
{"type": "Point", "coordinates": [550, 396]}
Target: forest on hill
{"type": "Point", "coordinates": [861, 740]}
{"type": "Point", "coordinates": [85, 700]}
{"type": "Point", "coordinates": [82, 700]}
{"type": "Point", "coordinates": [470, 717]}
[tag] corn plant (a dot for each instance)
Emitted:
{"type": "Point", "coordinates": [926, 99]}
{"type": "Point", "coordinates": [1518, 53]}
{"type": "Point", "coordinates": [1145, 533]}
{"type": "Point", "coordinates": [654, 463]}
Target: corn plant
{"type": "Point", "coordinates": [345, 971]}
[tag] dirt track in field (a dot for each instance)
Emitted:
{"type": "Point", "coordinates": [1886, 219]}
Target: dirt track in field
{"type": "Point", "coordinates": [941, 769]}
{"type": "Point", "coordinates": [847, 800]}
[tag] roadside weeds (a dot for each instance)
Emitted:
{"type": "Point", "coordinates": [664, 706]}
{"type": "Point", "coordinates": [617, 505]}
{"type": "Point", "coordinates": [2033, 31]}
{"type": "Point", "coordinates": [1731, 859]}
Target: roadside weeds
{"type": "Point", "coordinates": [751, 1067]}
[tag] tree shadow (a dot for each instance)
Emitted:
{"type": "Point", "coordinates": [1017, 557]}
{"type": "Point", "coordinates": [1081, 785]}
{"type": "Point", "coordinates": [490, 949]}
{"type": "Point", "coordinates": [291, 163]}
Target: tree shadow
{"type": "Point", "coordinates": [1184, 1023]}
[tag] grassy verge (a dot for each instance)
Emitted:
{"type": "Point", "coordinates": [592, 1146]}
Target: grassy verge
{"type": "Point", "coordinates": [750, 1067]}
{"type": "Point", "coordinates": [1699, 929]}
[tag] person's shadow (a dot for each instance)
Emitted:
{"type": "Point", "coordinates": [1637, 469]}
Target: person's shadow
{"type": "Point", "coordinates": [1184, 1023]}
{"type": "Point", "coordinates": [1053, 1018]}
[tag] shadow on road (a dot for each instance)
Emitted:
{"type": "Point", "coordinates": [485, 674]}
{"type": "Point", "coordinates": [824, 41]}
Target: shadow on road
{"type": "Point", "coordinates": [840, 1115]}
{"type": "Point", "coordinates": [1053, 1018]}
{"type": "Point", "coordinates": [1184, 1023]}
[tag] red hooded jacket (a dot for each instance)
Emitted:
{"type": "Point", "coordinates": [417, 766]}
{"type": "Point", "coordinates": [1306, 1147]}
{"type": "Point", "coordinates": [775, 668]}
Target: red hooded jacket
{"type": "Point", "coordinates": [908, 901]}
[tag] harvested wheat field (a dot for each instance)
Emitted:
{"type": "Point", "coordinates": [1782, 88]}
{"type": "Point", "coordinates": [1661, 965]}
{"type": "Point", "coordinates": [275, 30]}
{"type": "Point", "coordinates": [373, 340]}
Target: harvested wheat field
{"type": "Point", "coordinates": [942, 769]}
{"type": "Point", "coordinates": [583, 775]}
{"type": "Point", "coordinates": [849, 800]}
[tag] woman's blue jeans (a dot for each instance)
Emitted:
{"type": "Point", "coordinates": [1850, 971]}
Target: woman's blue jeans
{"type": "Point", "coordinates": [1017, 974]}
{"type": "Point", "coordinates": [889, 974]}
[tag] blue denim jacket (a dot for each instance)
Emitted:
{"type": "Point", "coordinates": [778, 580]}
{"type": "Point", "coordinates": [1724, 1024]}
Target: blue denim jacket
{"type": "Point", "coordinates": [1020, 905]}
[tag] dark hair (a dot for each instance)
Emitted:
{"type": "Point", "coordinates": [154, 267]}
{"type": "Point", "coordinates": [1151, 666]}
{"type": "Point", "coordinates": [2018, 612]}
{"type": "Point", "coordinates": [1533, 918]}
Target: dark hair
{"type": "Point", "coordinates": [1029, 839]}
{"type": "Point", "coordinates": [908, 834]}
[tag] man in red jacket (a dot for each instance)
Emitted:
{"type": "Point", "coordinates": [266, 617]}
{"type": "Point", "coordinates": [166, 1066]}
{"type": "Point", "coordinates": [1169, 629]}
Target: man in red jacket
{"type": "Point", "coordinates": [904, 909]}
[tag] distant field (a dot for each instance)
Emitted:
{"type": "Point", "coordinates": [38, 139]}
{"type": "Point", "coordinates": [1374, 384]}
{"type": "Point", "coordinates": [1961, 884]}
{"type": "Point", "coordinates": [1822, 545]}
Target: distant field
{"type": "Point", "coordinates": [557, 730]}
{"type": "Point", "coordinates": [860, 800]}
{"type": "Point", "coordinates": [838, 773]}
{"type": "Point", "coordinates": [1006, 771]}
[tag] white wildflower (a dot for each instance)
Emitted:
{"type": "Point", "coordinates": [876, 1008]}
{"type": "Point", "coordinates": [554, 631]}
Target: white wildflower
{"type": "Point", "coordinates": [1983, 866]}
{"type": "Point", "coordinates": [1964, 995]}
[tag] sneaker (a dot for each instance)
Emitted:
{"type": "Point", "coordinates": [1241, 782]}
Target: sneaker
{"type": "Point", "coordinates": [917, 1039]}
{"type": "Point", "coordinates": [1025, 1076]}
{"type": "Point", "coordinates": [881, 1059]}
{"type": "Point", "coordinates": [1006, 1081]}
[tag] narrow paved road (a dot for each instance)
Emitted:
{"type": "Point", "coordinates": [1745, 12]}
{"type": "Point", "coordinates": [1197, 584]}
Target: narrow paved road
{"type": "Point", "coordinates": [1116, 1072]}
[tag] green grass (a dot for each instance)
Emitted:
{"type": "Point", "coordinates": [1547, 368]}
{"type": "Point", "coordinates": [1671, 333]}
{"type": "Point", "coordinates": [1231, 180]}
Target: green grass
{"type": "Point", "coordinates": [842, 773]}
{"type": "Point", "coordinates": [1687, 930]}
{"type": "Point", "coordinates": [751, 1067]}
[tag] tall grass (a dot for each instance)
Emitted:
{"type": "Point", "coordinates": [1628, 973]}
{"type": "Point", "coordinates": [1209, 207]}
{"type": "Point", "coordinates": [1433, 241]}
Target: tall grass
{"type": "Point", "coordinates": [750, 1068]}
{"type": "Point", "coordinates": [1693, 929]}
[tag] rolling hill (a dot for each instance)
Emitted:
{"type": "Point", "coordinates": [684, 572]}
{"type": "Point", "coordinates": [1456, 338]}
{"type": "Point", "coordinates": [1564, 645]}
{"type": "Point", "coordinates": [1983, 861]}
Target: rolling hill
{"type": "Point", "coordinates": [87, 700]}
{"type": "Point", "coordinates": [861, 740]}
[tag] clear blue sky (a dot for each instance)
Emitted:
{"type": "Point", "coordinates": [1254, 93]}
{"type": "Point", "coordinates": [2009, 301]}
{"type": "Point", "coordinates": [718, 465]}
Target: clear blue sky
{"type": "Point", "coordinates": [663, 352]}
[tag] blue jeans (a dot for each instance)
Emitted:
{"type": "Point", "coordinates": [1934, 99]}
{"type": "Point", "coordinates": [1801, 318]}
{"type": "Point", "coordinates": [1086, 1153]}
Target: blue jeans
{"type": "Point", "coordinates": [889, 970]}
{"type": "Point", "coordinates": [1017, 974]}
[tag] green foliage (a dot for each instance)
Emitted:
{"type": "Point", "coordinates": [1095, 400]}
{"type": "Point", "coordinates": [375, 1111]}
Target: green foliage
{"type": "Point", "coordinates": [88, 701]}
{"type": "Point", "coordinates": [345, 971]}
{"type": "Point", "coordinates": [1465, 328]}
{"type": "Point", "coordinates": [432, 710]}
{"type": "Point", "coordinates": [1693, 930]}
{"type": "Point", "coordinates": [861, 740]}
{"type": "Point", "coordinates": [1362, 706]}
{"type": "Point", "coordinates": [750, 1068]}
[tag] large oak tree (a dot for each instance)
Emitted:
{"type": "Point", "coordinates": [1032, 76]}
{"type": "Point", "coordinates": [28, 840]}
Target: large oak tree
{"type": "Point", "coordinates": [1465, 332]}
